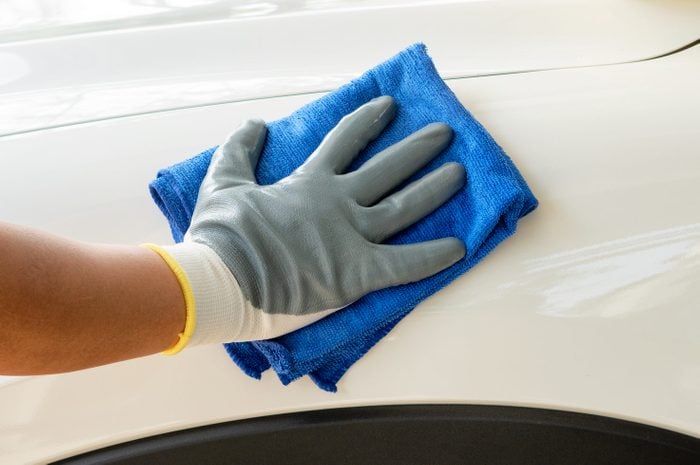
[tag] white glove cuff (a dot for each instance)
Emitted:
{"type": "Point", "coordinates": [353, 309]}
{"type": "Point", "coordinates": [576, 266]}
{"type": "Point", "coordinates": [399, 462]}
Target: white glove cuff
{"type": "Point", "coordinates": [217, 310]}
{"type": "Point", "coordinates": [219, 305]}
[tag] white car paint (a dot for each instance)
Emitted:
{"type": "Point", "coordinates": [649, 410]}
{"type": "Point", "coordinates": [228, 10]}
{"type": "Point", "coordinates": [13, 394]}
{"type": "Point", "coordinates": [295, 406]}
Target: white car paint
{"type": "Point", "coordinates": [592, 306]}
{"type": "Point", "coordinates": [298, 48]}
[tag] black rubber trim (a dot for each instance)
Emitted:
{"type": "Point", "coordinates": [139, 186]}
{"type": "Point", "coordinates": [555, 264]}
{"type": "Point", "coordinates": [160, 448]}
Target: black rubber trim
{"type": "Point", "coordinates": [410, 434]}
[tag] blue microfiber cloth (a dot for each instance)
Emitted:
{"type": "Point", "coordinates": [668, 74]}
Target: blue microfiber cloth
{"type": "Point", "coordinates": [483, 214]}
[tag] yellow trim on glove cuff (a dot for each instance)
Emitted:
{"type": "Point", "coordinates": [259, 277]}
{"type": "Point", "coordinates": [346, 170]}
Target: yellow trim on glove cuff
{"type": "Point", "coordinates": [179, 273]}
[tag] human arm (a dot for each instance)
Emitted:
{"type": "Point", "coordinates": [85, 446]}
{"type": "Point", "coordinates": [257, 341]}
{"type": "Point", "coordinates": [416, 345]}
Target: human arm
{"type": "Point", "coordinates": [67, 305]}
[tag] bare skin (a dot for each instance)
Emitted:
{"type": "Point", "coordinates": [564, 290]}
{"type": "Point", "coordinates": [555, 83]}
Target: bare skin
{"type": "Point", "coordinates": [88, 305]}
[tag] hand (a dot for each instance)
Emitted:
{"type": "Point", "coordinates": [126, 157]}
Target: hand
{"type": "Point", "coordinates": [266, 260]}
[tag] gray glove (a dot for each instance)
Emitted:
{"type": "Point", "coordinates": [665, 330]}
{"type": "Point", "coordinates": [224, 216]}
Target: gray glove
{"type": "Point", "coordinates": [265, 260]}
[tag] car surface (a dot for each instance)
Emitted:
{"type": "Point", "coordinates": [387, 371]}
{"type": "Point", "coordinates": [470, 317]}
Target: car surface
{"type": "Point", "coordinates": [587, 320]}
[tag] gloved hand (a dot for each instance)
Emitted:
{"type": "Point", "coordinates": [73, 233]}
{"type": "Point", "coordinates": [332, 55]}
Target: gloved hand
{"type": "Point", "coordinates": [262, 261]}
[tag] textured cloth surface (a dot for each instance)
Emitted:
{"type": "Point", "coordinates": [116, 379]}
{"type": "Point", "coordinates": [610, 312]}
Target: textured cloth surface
{"type": "Point", "coordinates": [483, 214]}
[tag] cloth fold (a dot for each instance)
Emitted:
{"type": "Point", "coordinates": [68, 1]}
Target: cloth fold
{"type": "Point", "coordinates": [483, 214]}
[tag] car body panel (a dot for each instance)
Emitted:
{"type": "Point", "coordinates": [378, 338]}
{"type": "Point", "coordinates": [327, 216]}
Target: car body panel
{"type": "Point", "coordinates": [67, 62]}
{"type": "Point", "coordinates": [592, 306]}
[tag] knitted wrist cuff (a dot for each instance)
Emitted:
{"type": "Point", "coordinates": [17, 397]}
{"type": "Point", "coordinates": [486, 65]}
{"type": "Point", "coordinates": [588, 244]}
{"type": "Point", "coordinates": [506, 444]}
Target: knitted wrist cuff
{"type": "Point", "coordinates": [217, 302]}
{"type": "Point", "coordinates": [187, 294]}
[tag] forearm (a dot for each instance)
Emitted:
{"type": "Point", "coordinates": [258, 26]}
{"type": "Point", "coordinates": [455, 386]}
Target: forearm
{"type": "Point", "coordinates": [68, 305]}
